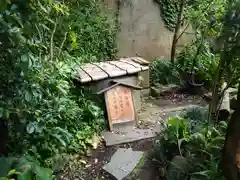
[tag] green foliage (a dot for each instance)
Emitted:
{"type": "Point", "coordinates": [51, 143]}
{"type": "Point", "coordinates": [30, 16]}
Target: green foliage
{"type": "Point", "coordinates": [204, 67]}
{"type": "Point", "coordinates": [206, 20]}
{"type": "Point", "coordinates": [90, 35]}
{"type": "Point", "coordinates": [23, 168]}
{"type": "Point", "coordinates": [201, 62]}
{"type": "Point", "coordinates": [198, 114]}
{"type": "Point", "coordinates": [191, 152]}
{"type": "Point", "coordinates": [229, 41]}
{"type": "Point", "coordinates": [169, 12]}
{"type": "Point", "coordinates": [162, 72]}
{"type": "Point", "coordinates": [206, 16]}
{"type": "Point", "coordinates": [41, 43]}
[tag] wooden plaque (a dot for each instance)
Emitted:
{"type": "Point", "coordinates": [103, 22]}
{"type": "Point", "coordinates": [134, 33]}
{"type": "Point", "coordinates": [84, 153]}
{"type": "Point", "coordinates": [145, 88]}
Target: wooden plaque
{"type": "Point", "coordinates": [120, 107]}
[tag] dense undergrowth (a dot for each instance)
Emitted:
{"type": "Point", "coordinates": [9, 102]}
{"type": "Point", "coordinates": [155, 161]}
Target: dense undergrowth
{"type": "Point", "coordinates": [200, 58]}
{"type": "Point", "coordinates": [199, 145]}
{"type": "Point", "coordinates": [43, 114]}
{"type": "Point", "coordinates": [162, 71]}
{"type": "Point", "coordinates": [202, 66]}
{"type": "Point", "coordinates": [191, 148]}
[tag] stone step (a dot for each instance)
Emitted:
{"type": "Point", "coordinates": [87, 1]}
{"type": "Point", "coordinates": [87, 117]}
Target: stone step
{"type": "Point", "coordinates": [126, 133]}
{"type": "Point", "coordinates": [123, 162]}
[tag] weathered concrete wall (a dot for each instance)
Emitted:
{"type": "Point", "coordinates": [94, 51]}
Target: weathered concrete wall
{"type": "Point", "coordinates": [141, 29]}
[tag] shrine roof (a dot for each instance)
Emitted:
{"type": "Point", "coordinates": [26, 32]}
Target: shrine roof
{"type": "Point", "coordinates": [109, 69]}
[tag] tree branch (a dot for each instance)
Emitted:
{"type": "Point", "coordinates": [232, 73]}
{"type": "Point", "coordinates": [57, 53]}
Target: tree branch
{"type": "Point", "coordinates": [183, 31]}
{"type": "Point", "coordinates": [62, 44]}
{"type": "Point", "coordinates": [176, 30]}
{"type": "Point", "coordinates": [51, 40]}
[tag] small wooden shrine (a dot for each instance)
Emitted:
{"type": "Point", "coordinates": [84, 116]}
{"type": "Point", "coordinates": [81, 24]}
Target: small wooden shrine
{"type": "Point", "coordinates": [119, 82]}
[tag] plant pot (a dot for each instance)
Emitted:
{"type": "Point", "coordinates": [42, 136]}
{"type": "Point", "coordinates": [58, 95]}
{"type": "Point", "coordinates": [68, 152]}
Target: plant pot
{"type": "Point", "coordinates": [192, 83]}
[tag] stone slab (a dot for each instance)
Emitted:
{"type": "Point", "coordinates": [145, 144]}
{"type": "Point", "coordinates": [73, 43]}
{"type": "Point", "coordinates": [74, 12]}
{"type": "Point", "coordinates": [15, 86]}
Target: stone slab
{"type": "Point", "coordinates": [125, 133]}
{"type": "Point", "coordinates": [123, 163]}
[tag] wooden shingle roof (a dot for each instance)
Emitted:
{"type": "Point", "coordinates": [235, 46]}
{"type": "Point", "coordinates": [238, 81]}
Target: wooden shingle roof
{"type": "Point", "coordinates": [98, 71]}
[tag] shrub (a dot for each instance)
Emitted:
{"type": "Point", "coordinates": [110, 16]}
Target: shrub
{"type": "Point", "coordinates": [189, 153]}
{"type": "Point", "coordinates": [41, 43]}
{"type": "Point", "coordinates": [202, 65]}
{"type": "Point", "coordinates": [23, 168]}
{"type": "Point", "coordinates": [163, 73]}
{"type": "Point", "coordinates": [90, 34]}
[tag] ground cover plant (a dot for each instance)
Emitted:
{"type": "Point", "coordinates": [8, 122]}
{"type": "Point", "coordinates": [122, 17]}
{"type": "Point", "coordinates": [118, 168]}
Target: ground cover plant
{"type": "Point", "coordinates": [191, 149]}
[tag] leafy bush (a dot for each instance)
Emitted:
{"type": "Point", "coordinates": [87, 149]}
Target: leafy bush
{"type": "Point", "coordinates": [202, 63]}
{"type": "Point", "coordinates": [191, 152]}
{"type": "Point", "coordinates": [41, 43]}
{"type": "Point", "coordinates": [162, 72]}
{"type": "Point", "coordinates": [196, 116]}
{"type": "Point", "coordinates": [55, 118]}
{"type": "Point", "coordinates": [90, 35]}
{"type": "Point", "coordinates": [23, 168]}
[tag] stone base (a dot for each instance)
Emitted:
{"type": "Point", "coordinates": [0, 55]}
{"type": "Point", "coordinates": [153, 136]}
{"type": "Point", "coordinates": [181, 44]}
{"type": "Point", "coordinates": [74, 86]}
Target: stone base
{"type": "Point", "coordinates": [125, 133]}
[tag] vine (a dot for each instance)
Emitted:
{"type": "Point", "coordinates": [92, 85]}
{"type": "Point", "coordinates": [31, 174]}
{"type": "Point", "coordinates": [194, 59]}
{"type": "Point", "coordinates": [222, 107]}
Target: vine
{"type": "Point", "coordinates": [117, 14]}
{"type": "Point", "coordinates": [169, 12]}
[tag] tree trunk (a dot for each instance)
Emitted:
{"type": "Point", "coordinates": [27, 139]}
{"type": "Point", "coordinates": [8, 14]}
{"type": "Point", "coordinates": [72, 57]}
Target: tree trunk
{"type": "Point", "coordinates": [231, 151]}
{"type": "Point", "coordinates": [176, 31]}
{"type": "Point", "coordinates": [3, 138]}
{"type": "Point", "coordinates": [224, 105]}
{"type": "Point", "coordinates": [238, 93]}
{"type": "Point", "coordinates": [216, 90]}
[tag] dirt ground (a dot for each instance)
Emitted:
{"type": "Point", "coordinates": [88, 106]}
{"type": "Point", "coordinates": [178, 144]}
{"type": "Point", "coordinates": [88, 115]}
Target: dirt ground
{"type": "Point", "coordinates": [92, 168]}
{"type": "Point", "coordinates": [104, 154]}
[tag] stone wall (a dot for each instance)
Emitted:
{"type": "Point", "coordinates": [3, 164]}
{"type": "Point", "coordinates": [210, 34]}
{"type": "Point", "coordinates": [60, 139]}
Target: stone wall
{"type": "Point", "coordinates": [141, 30]}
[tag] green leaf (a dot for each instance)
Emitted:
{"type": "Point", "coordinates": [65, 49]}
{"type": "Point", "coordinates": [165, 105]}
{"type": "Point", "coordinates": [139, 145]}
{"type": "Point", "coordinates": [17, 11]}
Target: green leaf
{"type": "Point", "coordinates": [30, 128]}
{"type": "Point", "coordinates": [201, 173]}
{"type": "Point", "coordinates": [43, 173]}
{"type": "Point", "coordinates": [5, 164]}
{"type": "Point", "coordinates": [3, 178]}
{"type": "Point", "coordinates": [218, 139]}
{"type": "Point", "coordinates": [6, 114]}
{"type": "Point", "coordinates": [28, 96]}
{"type": "Point", "coordinates": [180, 141]}
{"type": "Point", "coordinates": [1, 112]}
{"type": "Point", "coordinates": [59, 138]}
{"type": "Point", "coordinates": [223, 124]}
{"type": "Point", "coordinates": [177, 168]}
{"type": "Point", "coordinates": [26, 172]}
{"type": "Point", "coordinates": [173, 122]}
{"type": "Point", "coordinates": [12, 172]}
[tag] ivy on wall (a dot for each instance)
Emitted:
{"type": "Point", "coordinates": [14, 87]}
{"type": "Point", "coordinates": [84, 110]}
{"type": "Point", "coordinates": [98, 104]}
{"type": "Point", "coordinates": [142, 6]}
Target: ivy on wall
{"type": "Point", "coordinates": [169, 12]}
